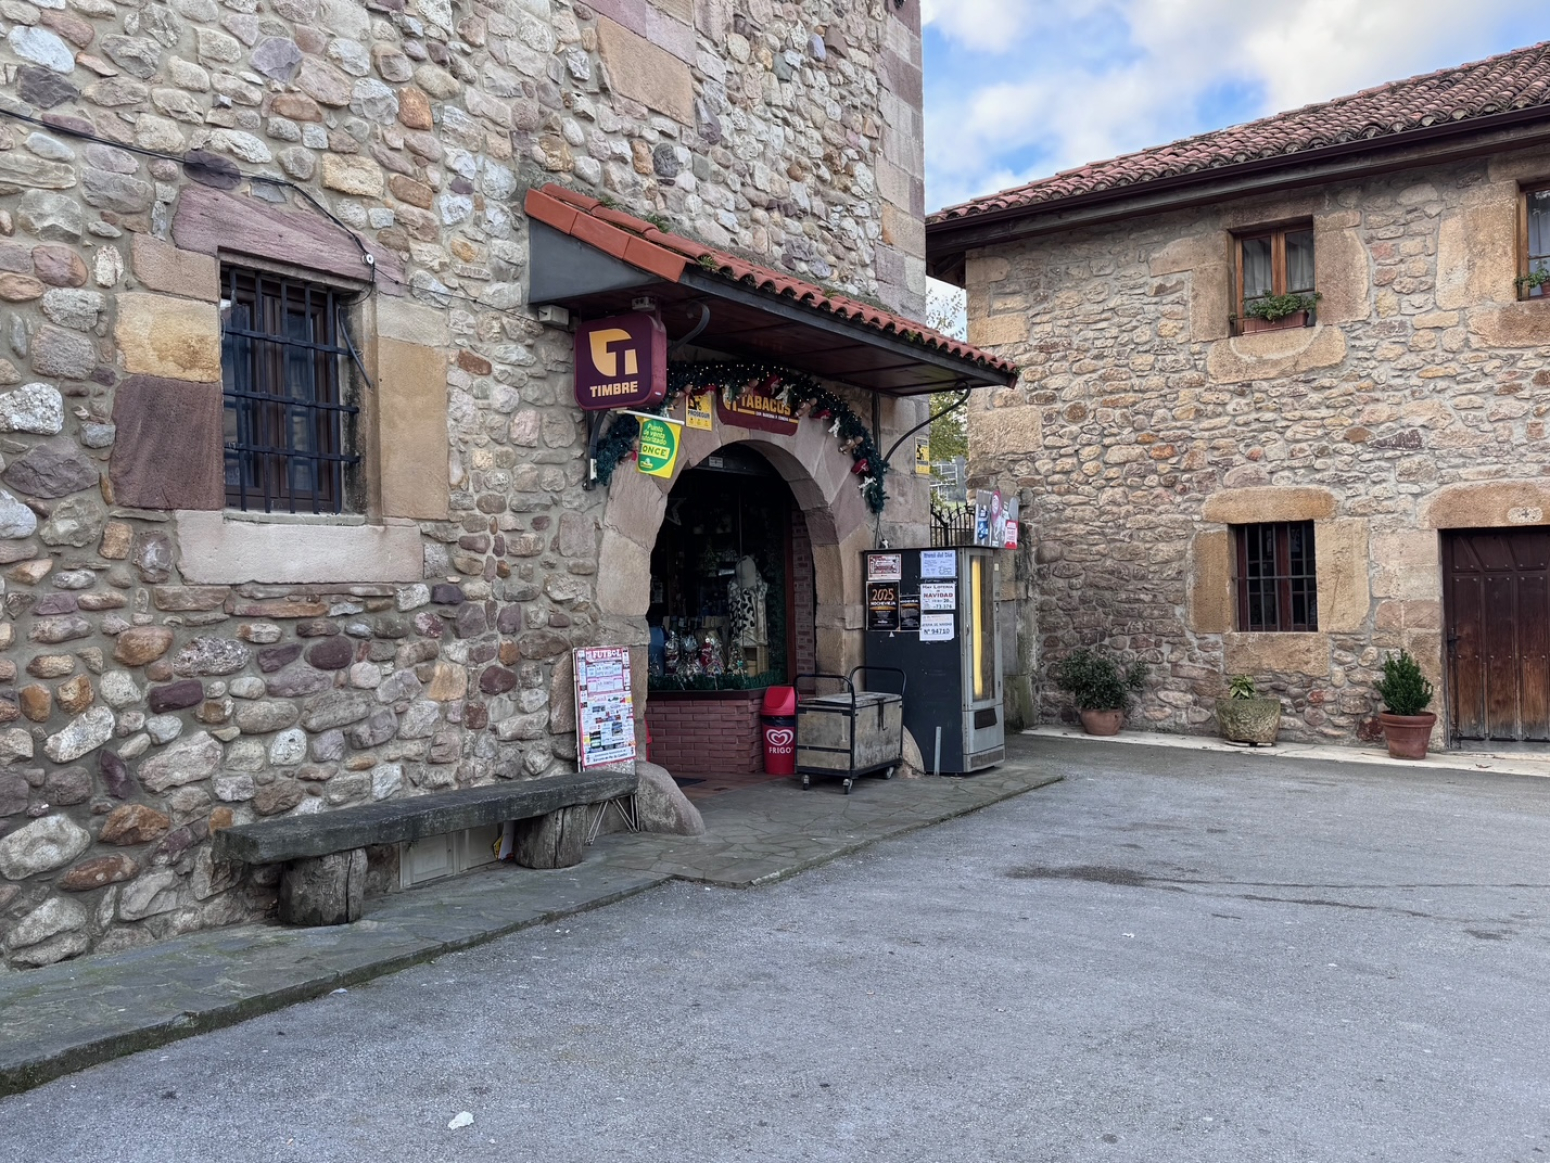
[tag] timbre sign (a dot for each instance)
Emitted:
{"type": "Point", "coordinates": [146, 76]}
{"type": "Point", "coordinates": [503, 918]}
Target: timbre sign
{"type": "Point", "coordinates": [621, 362]}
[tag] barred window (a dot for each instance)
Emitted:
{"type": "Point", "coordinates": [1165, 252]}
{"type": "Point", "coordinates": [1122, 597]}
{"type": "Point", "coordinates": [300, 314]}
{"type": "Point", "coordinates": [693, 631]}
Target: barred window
{"type": "Point", "coordinates": [288, 428]}
{"type": "Point", "coordinates": [1277, 584]}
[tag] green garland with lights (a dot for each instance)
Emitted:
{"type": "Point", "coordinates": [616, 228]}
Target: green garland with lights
{"type": "Point", "coordinates": [806, 397]}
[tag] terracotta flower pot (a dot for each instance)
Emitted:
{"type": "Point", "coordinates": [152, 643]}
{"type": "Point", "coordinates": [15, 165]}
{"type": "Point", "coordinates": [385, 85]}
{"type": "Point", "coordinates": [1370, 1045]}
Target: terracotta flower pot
{"type": "Point", "coordinates": [1253, 721]}
{"type": "Point", "coordinates": [1407, 735]}
{"type": "Point", "coordinates": [1102, 722]}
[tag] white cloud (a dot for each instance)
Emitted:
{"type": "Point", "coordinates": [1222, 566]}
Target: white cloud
{"type": "Point", "coordinates": [1044, 85]}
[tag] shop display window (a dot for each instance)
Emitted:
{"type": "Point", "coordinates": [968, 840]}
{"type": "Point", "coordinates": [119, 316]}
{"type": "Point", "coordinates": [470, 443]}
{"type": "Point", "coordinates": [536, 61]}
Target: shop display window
{"type": "Point", "coordinates": [721, 569]}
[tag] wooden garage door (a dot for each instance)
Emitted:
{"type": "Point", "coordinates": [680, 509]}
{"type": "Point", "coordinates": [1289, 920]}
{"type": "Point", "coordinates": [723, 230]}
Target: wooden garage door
{"type": "Point", "coordinates": [1496, 590]}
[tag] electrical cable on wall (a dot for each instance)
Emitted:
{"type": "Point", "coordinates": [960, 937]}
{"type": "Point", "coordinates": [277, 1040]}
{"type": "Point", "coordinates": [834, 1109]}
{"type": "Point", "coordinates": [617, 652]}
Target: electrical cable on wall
{"type": "Point", "coordinates": [213, 170]}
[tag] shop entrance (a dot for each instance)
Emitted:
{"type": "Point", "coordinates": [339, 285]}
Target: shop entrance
{"type": "Point", "coordinates": [731, 612]}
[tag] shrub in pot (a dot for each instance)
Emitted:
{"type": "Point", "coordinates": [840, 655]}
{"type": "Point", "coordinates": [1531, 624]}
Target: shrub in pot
{"type": "Point", "coordinates": [1244, 717]}
{"type": "Point", "coordinates": [1100, 687]}
{"type": "Point", "coordinates": [1407, 724]}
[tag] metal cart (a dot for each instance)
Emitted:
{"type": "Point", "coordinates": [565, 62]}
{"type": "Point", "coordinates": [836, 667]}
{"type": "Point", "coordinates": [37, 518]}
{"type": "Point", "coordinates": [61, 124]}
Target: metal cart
{"type": "Point", "coordinates": [850, 734]}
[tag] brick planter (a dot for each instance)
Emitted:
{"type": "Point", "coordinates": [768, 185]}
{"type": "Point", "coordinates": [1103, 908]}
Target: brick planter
{"type": "Point", "coordinates": [706, 732]}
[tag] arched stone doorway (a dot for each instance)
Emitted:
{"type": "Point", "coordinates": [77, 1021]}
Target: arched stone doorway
{"type": "Point", "coordinates": [819, 476]}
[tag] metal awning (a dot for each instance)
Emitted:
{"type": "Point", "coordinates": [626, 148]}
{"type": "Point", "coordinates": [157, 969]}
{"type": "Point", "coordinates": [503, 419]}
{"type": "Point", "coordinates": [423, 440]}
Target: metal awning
{"type": "Point", "coordinates": [595, 262]}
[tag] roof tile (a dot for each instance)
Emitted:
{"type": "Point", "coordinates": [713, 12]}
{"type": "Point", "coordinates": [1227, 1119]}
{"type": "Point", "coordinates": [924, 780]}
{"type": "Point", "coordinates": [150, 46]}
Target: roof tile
{"type": "Point", "coordinates": [643, 245]}
{"type": "Point", "coordinates": [1500, 84]}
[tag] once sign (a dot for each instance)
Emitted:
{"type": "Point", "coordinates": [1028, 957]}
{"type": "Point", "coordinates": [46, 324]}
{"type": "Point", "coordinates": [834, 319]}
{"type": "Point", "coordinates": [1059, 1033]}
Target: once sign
{"type": "Point", "coordinates": [621, 362]}
{"type": "Point", "coordinates": [658, 452]}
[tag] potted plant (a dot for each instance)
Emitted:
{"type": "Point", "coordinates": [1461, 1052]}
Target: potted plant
{"type": "Point", "coordinates": [1244, 717]}
{"type": "Point", "coordinates": [1276, 312]}
{"type": "Point", "coordinates": [1529, 285]}
{"type": "Point", "coordinates": [1100, 687]}
{"type": "Point", "coordinates": [1407, 724]}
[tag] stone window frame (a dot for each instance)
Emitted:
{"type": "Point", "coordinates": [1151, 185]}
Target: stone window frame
{"type": "Point", "coordinates": [404, 346]}
{"type": "Point", "coordinates": [1277, 232]}
{"type": "Point", "coordinates": [1528, 262]}
{"type": "Point", "coordinates": [1344, 587]}
{"type": "Point", "coordinates": [370, 543]}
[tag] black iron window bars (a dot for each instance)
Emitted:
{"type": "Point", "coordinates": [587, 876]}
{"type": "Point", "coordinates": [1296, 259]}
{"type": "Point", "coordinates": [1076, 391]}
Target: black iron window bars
{"type": "Point", "coordinates": [1277, 579]}
{"type": "Point", "coordinates": [287, 425]}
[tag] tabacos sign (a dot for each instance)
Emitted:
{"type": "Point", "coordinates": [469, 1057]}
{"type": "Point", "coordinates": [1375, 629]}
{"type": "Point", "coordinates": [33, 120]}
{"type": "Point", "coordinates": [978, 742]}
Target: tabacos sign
{"type": "Point", "coordinates": [754, 408]}
{"type": "Point", "coordinates": [621, 362]}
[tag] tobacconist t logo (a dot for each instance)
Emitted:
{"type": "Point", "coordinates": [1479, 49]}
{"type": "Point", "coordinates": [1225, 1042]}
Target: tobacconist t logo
{"type": "Point", "coordinates": [607, 362]}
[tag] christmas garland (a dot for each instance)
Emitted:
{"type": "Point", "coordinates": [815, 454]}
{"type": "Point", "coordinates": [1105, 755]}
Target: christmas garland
{"type": "Point", "coordinates": [803, 394]}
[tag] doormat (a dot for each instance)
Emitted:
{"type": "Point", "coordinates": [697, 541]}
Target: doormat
{"type": "Point", "coordinates": [683, 782]}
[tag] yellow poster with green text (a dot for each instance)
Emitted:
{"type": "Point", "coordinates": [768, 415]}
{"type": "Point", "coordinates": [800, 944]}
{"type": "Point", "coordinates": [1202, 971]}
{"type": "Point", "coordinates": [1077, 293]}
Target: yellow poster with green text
{"type": "Point", "coordinates": [658, 446]}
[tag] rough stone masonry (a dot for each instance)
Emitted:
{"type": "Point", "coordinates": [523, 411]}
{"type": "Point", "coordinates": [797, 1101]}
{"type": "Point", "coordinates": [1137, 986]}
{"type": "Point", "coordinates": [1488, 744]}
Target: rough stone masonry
{"type": "Point", "coordinates": [151, 691]}
{"type": "Point", "coordinates": [1143, 429]}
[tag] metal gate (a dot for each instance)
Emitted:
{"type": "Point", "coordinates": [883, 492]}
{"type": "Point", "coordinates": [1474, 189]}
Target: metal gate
{"type": "Point", "coordinates": [1496, 596]}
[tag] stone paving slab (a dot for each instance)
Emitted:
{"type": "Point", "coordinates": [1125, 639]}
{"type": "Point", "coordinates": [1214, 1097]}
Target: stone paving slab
{"type": "Point", "coordinates": [68, 1016]}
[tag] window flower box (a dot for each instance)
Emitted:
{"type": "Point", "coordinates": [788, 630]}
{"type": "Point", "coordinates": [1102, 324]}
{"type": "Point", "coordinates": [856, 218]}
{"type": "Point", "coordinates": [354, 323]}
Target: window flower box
{"type": "Point", "coordinates": [1250, 325]}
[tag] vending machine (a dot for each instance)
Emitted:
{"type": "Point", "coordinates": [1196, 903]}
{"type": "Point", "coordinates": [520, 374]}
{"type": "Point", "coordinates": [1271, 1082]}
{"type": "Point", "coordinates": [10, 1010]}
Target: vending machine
{"type": "Point", "coordinates": [932, 614]}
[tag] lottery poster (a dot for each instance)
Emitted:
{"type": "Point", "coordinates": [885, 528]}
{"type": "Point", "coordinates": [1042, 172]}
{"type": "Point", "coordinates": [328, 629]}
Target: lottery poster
{"type": "Point", "coordinates": [882, 601]}
{"type": "Point", "coordinates": [936, 597]}
{"type": "Point", "coordinates": [605, 710]}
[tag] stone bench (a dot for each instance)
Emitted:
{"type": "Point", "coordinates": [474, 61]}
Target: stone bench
{"type": "Point", "coordinates": [324, 854]}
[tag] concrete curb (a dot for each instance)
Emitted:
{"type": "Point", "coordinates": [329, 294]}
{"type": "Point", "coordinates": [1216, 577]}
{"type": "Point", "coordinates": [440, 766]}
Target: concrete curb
{"type": "Point", "coordinates": [1494, 762]}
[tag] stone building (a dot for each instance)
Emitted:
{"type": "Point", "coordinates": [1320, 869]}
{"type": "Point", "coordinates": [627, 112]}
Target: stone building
{"type": "Point", "coordinates": [1283, 402]}
{"type": "Point", "coordinates": [292, 509]}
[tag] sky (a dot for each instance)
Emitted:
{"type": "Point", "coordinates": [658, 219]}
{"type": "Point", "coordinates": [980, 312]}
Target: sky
{"type": "Point", "coordinates": [1020, 89]}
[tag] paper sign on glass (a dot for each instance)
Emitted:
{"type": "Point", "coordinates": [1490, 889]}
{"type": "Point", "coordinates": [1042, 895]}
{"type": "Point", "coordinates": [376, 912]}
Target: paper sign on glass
{"type": "Point", "coordinates": [885, 567]}
{"type": "Point", "coordinates": [936, 627]}
{"type": "Point", "coordinates": [938, 563]}
{"type": "Point", "coordinates": [938, 596]}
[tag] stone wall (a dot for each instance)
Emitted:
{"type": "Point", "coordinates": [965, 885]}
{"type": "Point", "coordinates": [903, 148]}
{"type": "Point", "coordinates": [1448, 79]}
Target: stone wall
{"type": "Point", "coordinates": [169, 668]}
{"type": "Point", "coordinates": [1143, 429]}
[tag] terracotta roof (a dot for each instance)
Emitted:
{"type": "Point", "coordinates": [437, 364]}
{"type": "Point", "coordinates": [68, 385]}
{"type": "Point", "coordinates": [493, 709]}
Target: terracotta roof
{"type": "Point", "coordinates": [639, 243]}
{"type": "Point", "coordinates": [1507, 83]}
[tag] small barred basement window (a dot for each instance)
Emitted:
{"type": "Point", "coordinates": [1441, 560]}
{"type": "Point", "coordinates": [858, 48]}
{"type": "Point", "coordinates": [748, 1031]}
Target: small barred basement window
{"type": "Point", "coordinates": [289, 430]}
{"type": "Point", "coordinates": [1275, 578]}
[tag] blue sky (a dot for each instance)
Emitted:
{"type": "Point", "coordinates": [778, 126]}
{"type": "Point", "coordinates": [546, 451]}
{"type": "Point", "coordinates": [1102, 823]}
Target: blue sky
{"type": "Point", "coordinates": [1019, 89]}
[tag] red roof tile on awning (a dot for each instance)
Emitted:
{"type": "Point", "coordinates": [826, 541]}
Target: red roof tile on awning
{"type": "Point", "coordinates": [640, 244]}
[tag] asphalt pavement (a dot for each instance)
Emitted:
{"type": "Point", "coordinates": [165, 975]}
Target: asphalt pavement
{"type": "Point", "coordinates": [1168, 956]}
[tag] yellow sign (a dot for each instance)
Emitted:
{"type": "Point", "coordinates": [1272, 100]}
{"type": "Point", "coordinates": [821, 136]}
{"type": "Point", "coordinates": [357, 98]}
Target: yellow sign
{"type": "Point", "coordinates": [923, 458]}
{"type": "Point", "coordinates": [658, 453]}
{"type": "Point", "coordinates": [698, 411]}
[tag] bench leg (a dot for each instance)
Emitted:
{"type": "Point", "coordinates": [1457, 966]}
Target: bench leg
{"type": "Point", "coordinates": [558, 840]}
{"type": "Point", "coordinates": [324, 890]}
